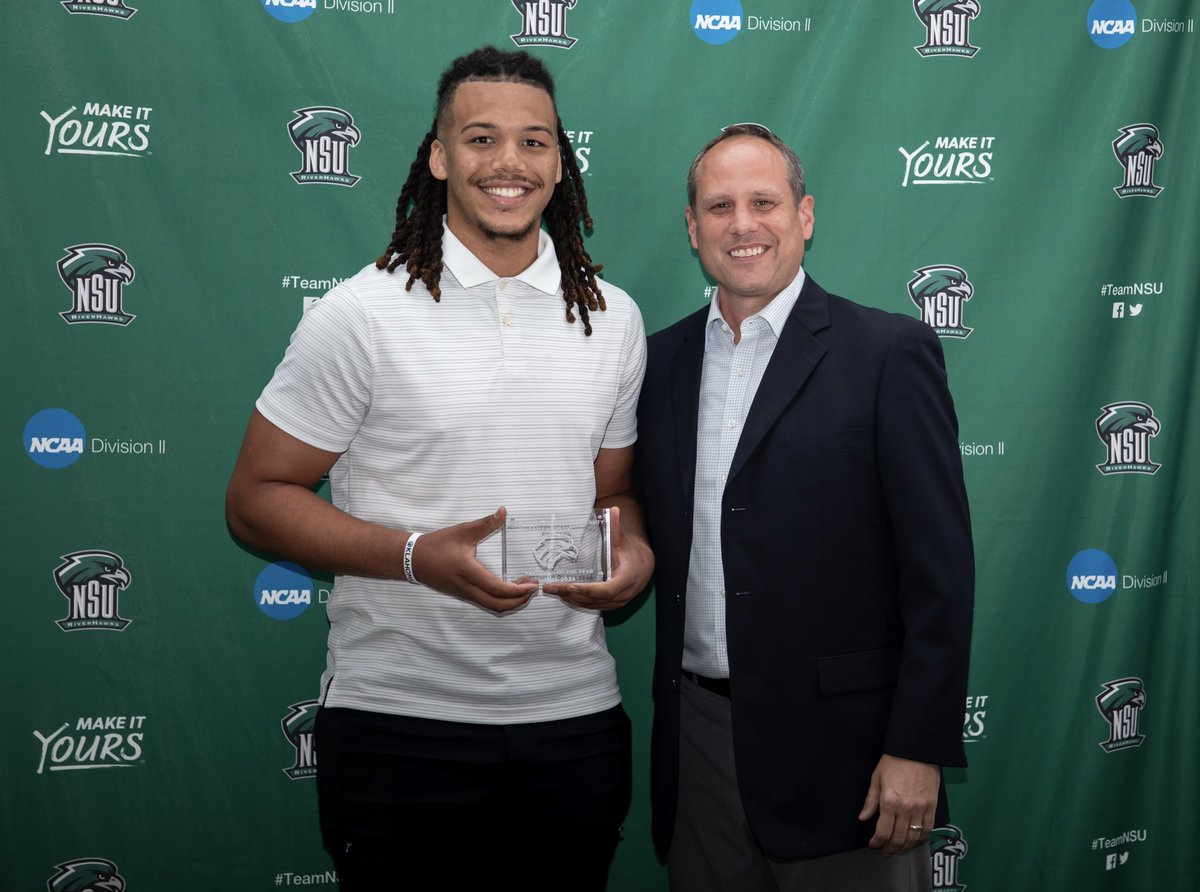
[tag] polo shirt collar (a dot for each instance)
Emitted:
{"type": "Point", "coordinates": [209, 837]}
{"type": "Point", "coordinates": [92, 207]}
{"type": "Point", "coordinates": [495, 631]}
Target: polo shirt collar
{"type": "Point", "coordinates": [543, 274]}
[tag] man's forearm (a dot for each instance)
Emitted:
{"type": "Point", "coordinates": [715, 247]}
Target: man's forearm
{"type": "Point", "coordinates": [293, 522]}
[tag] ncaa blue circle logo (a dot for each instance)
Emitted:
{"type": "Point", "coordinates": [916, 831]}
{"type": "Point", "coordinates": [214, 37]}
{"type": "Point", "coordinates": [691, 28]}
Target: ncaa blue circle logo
{"type": "Point", "coordinates": [1092, 576]}
{"type": "Point", "coordinates": [283, 590]}
{"type": "Point", "coordinates": [1111, 23]}
{"type": "Point", "coordinates": [716, 21]}
{"type": "Point", "coordinates": [290, 10]}
{"type": "Point", "coordinates": [54, 438]}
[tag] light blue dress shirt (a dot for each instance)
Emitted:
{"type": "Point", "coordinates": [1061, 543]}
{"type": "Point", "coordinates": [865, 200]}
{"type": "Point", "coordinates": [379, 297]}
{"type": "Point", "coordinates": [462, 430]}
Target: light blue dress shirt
{"type": "Point", "coordinates": [729, 381]}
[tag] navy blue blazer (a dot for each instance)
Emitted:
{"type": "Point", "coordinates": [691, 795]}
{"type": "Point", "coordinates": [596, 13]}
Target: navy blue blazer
{"type": "Point", "coordinates": [848, 563]}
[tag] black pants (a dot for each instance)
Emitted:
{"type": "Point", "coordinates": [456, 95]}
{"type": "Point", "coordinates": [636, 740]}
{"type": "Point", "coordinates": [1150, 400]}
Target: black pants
{"type": "Point", "coordinates": [410, 803]}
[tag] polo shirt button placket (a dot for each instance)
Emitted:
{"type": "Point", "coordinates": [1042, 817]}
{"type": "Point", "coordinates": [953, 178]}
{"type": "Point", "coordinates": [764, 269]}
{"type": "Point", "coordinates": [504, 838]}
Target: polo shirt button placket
{"type": "Point", "coordinates": [506, 313]}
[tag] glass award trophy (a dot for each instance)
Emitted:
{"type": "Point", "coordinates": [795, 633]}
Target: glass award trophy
{"type": "Point", "coordinates": [557, 546]}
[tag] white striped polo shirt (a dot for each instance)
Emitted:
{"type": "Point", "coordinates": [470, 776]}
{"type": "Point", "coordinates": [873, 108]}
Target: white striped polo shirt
{"type": "Point", "coordinates": [443, 412]}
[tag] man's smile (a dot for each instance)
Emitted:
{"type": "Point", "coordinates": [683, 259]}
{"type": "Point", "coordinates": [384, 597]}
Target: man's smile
{"type": "Point", "coordinates": [747, 251]}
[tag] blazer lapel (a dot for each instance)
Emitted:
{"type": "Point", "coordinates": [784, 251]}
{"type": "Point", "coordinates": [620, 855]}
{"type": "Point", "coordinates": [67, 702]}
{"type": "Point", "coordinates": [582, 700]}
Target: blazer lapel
{"type": "Point", "coordinates": [796, 355]}
{"type": "Point", "coordinates": [686, 369]}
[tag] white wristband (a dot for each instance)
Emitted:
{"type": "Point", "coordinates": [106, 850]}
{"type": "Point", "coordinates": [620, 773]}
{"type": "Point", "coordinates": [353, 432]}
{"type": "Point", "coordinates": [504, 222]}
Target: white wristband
{"type": "Point", "coordinates": [408, 551]}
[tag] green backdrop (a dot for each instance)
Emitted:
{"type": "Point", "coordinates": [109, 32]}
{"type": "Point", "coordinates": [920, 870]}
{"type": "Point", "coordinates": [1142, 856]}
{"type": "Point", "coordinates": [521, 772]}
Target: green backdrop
{"type": "Point", "coordinates": [1024, 175]}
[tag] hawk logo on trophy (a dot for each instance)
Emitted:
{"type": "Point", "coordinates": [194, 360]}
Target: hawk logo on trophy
{"type": "Point", "coordinates": [86, 875]}
{"type": "Point", "coordinates": [947, 27]}
{"type": "Point", "coordinates": [1121, 703]}
{"type": "Point", "coordinates": [96, 275]}
{"type": "Point", "coordinates": [946, 848]}
{"type": "Point", "coordinates": [298, 726]}
{"type": "Point", "coordinates": [555, 548]}
{"type": "Point", "coordinates": [324, 137]}
{"type": "Point", "coordinates": [940, 292]}
{"type": "Point", "coordinates": [545, 23]}
{"type": "Point", "coordinates": [1137, 148]}
{"type": "Point", "coordinates": [1125, 429]}
{"type": "Point", "coordinates": [91, 581]}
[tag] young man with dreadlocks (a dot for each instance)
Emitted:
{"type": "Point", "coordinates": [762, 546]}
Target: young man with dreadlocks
{"type": "Point", "coordinates": [470, 729]}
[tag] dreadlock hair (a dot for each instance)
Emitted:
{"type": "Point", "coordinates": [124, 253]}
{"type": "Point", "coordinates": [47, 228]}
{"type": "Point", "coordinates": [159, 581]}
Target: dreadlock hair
{"type": "Point", "coordinates": [417, 239]}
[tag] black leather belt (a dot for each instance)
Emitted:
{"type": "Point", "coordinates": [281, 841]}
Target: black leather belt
{"type": "Point", "coordinates": [716, 685]}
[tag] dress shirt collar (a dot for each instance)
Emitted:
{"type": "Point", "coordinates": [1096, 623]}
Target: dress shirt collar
{"type": "Point", "coordinates": [543, 274]}
{"type": "Point", "coordinates": [775, 313]}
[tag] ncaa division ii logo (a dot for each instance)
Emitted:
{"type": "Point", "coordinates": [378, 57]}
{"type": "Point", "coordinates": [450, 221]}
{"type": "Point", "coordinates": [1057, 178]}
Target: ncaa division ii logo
{"type": "Point", "coordinates": [298, 726]}
{"type": "Point", "coordinates": [939, 293]}
{"type": "Point", "coordinates": [91, 581]}
{"type": "Point", "coordinates": [323, 136]}
{"type": "Point", "coordinates": [1121, 703]}
{"type": "Point", "coordinates": [86, 875]}
{"type": "Point", "coordinates": [544, 23]}
{"type": "Point", "coordinates": [716, 21]}
{"type": "Point", "coordinates": [1111, 23]}
{"type": "Point", "coordinates": [96, 275]}
{"type": "Point", "coordinates": [946, 848]}
{"type": "Point", "coordinates": [290, 10]}
{"type": "Point", "coordinates": [1125, 429]}
{"type": "Point", "coordinates": [947, 27]}
{"type": "Point", "coordinates": [1137, 148]}
{"type": "Point", "coordinates": [54, 438]}
{"type": "Point", "coordinates": [1092, 576]}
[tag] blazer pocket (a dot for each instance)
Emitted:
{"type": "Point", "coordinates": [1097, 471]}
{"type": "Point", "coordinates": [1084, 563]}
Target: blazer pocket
{"type": "Point", "coordinates": [864, 671]}
{"type": "Point", "coordinates": [829, 441]}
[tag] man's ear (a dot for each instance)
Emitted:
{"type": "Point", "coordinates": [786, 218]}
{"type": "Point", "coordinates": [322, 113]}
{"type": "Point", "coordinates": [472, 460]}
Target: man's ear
{"type": "Point", "coordinates": [437, 160]}
{"type": "Point", "coordinates": [806, 216]}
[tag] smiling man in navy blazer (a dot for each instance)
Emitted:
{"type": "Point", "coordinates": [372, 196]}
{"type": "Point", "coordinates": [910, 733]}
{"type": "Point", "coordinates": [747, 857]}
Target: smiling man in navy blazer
{"type": "Point", "coordinates": [799, 466]}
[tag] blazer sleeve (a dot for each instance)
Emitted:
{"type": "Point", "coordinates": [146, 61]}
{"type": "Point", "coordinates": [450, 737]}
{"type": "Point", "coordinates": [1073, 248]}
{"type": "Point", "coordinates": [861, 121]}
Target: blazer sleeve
{"type": "Point", "coordinates": [921, 473]}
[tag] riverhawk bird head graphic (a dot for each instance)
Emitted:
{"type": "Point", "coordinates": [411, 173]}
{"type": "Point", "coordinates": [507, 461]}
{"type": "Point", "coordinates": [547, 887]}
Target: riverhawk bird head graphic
{"type": "Point", "coordinates": [1118, 417]}
{"type": "Point", "coordinates": [933, 280]}
{"type": "Point", "coordinates": [1119, 694]}
{"type": "Point", "coordinates": [85, 261]}
{"type": "Point", "coordinates": [313, 123]}
{"type": "Point", "coordinates": [555, 548]}
{"type": "Point", "coordinates": [301, 719]}
{"type": "Point", "coordinates": [926, 8]}
{"type": "Point", "coordinates": [83, 567]}
{"type": "Point", "coordinates": [1137, 139]}
{"type": "Point", "coordinates": [949, 840]}
{"type": "Point", "coordinates": [86, 875]}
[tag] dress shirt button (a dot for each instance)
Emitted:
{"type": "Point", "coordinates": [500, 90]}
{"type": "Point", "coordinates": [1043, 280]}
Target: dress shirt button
{"type": "Point", "coordinates": [501, 285]}
{"type": "Point", "coordinates": [506, 320]}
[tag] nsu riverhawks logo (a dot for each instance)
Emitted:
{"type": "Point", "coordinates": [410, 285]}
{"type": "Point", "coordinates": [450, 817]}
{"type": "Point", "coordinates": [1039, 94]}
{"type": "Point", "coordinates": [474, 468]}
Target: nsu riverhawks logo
{"type": "Point", "coordinates": [1125, 429]}
{"type": "Point", "coordinates": [1121, 703]}
{"type": "Point", "coordinates": [91, 582]}
{"type": "Point", "coordinates": [324, 136]}
{"type": "Point", "coordinates": [86, 875]}
{"type": "Point", "coordinates": [113, 8]}
{"type": "Point", "coordinates": [96, 275]}
{"type": "Point", "coordinates": [298, 726]}
{"type": "Point", "coordinates": [947, 27]}
{"type": "Point", "coordinates": [545, 23]}
{"type": "Point", "coordinates": [1137, 148]}
{"type": "Point", "coordinates": [946, 848]}
{"type": "Point", "coordinates": [940, 292]}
